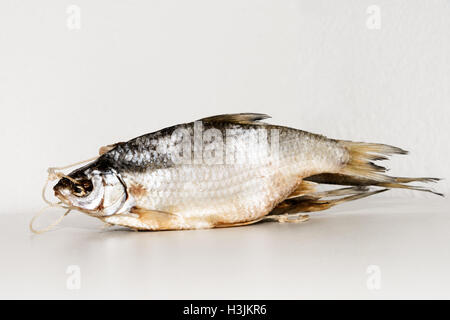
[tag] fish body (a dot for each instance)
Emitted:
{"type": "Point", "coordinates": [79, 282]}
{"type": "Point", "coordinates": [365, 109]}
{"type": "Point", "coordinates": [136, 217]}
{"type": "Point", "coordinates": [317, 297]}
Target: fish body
{"type": "Point", "coordinates": [220, 171]}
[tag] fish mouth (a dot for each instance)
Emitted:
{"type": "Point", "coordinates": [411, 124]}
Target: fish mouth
{"type": "Point", "coordinates": [61, 196]}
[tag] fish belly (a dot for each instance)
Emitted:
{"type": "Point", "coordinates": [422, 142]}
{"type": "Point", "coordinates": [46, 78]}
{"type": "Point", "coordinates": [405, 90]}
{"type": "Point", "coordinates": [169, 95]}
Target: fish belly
{"type": "Point", "coordinates": [231, 193]}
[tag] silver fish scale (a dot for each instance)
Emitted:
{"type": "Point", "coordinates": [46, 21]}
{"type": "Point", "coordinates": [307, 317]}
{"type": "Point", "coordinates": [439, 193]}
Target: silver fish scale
{"type": "Point", "coordinates": [242, 190]}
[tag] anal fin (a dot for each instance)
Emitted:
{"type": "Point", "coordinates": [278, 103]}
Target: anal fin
{"type": "Point", "coordinates": [316, 201]}
{"type": "Point", "coordinates": [305, 187]}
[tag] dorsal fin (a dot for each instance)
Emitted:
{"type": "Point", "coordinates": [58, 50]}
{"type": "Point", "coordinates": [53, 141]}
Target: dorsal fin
{"type": "Point", "coordinates": [241, 118]}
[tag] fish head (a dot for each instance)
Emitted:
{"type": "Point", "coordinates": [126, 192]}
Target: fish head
{"type": "Point", "coordinates": [93, 192]}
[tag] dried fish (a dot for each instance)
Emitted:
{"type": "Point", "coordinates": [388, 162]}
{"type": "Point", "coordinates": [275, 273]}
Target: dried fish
{"type": "Point", "coordinates": [222, 171]}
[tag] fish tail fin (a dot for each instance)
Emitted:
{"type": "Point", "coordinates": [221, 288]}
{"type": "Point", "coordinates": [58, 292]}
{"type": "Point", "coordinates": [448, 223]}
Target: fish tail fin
{"type": "Point", "coordinates": [361, 170]}
{"type": "Point", "coordinates": [362, 157]}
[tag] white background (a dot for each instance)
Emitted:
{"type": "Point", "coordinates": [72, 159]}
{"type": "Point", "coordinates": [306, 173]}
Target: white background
{"type": "Point", "coordinates": [138, 66]}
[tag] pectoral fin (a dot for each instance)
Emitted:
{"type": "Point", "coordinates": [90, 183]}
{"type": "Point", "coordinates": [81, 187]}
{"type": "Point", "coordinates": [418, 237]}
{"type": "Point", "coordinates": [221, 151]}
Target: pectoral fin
{"type": "Point", "coordinates": [107, 148]}
{"type": "Point", "coordinates": [157, 220]}
{"type": "Point", "coordinates": [238, 224]}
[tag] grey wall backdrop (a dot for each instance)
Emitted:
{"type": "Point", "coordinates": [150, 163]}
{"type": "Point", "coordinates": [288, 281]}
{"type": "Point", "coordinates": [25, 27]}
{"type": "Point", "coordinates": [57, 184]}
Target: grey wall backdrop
{"type": "Point", "coordinates": [76, 75]}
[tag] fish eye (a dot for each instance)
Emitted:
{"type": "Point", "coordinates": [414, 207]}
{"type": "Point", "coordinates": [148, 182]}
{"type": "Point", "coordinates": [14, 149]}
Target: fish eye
{"type": "Point", "coordinates": [82, 187]}
{"type": "Point", "coordinates": [87, 185]}
{"type": "Point", "coordinates": [78, 191]}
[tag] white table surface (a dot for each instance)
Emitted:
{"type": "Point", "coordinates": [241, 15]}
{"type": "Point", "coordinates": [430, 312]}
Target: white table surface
{"type": "Point", "coordinates": [408, 240]}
